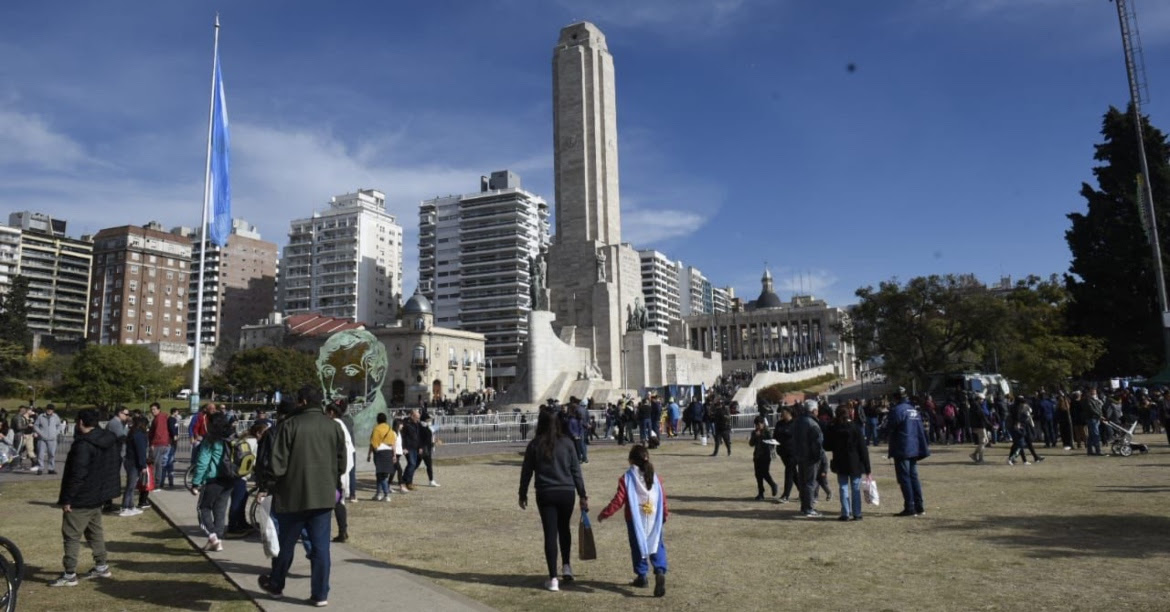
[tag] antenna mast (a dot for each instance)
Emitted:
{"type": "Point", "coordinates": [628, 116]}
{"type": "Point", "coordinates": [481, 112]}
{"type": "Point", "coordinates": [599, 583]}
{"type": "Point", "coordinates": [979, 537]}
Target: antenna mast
{"type": "Point", "coordinates": [1135, 70]}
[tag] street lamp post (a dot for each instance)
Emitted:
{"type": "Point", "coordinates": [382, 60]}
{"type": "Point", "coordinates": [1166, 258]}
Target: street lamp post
{"type": "Point", "coordinates": [491, 382]}
{"type": "Point", "coordinates": [143, 387]}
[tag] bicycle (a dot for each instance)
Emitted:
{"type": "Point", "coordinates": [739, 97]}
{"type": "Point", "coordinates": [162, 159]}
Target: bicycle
{"type": "Point", "coordinates": [13, 574]}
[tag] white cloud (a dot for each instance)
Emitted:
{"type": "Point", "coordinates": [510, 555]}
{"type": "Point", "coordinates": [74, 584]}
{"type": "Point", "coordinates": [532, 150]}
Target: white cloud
{"type": "Point", "coordinates": [648, 227]}
{"type": "Point", "coordinates": [27, 140]}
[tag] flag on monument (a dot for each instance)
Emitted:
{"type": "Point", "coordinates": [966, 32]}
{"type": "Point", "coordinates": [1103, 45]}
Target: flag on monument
{"type": "Point", "coordinates": [220, 226]}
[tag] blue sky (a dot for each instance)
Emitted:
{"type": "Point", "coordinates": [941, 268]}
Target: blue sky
{"type": "Point", "coordinates": [957, 145]}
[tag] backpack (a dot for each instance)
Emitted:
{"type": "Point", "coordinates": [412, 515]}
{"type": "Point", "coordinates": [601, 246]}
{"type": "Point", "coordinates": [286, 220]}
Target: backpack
{"type": "Point", "coordinates": [949, 411]}
{"type": "Point", "coordinates": [237, 460]}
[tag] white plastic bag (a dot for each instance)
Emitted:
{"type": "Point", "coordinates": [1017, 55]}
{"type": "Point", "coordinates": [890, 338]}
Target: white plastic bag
{"type": "Point", "coordinates": [268, 536]}
{"type": "Point", "coordinates": [869, 490]}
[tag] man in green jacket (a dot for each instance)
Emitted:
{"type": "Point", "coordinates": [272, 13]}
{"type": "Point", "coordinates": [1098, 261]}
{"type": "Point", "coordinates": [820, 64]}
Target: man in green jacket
{"type": "Point", "coordinates": [303, 480]}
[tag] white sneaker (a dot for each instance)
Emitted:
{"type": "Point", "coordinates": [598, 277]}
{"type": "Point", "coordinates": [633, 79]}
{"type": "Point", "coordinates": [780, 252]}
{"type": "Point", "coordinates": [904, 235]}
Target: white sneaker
{"type": "Point", "coordinates": [213, 544]}
{"type": "Point", "coordinates": [403, 489]}
{"type": "Point", "coordinates": [129, 512]}
{"type": "Point", "coordinates": [567, 573]}
{"type": "Point", "coordinates": [552, 585]}
{"type": "Point", "coordinates": [434, 484]}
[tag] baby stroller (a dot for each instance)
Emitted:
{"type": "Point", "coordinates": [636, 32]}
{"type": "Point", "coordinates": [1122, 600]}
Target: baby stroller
{"type": "Point", "coordinates": [9, 457]}
{"type": "Point", "coordinates": [1123, 443]}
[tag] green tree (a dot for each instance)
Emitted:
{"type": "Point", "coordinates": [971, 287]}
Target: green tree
{"type": "Point", "coordinates": [943, 324]}
{"type": "Point", "coordinates": [269, 369]}
{"type": "Point", "coordinates": [1033, 348]}
{"type": "Point", "coordinates": [14, 314]}
{"type": "Point", "coordinates": [108, 375]}
{"type": "Point", "coordinates": [930, 325]}
{"type": "Point", "coordinates": [1111, 279]}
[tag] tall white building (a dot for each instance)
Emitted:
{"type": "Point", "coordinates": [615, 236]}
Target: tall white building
{"type": "Point", "coordinates": [345, 262]}
{"type": "Point", "coordinates": [694, 292]}
{"type": "Point", "coordinates": [721, 298]}
{"type": "Point", "coordinates": [474, 254]}
{"type": "Point", "coordinates": [660, 288]}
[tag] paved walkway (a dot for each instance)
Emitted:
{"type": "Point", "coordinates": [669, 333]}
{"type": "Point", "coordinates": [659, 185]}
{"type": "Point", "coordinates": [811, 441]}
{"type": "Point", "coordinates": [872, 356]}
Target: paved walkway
{"type": "Point", "coordinates": [357, 582]}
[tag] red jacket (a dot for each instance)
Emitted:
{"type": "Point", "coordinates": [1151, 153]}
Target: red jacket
{"type": "Point", "coordinates": [620, 499]}
{"type": "Point", "coordinates": [160, 434]}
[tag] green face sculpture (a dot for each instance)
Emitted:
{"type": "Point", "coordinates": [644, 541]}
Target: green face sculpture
{"type": "Point", "coordinates": [352, 363]}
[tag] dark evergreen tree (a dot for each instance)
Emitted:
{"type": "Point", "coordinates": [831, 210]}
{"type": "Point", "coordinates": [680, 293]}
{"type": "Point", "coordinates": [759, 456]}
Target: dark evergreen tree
{"type": "Point", "coordinates": [14, 314]}
{"type": "Point", "coordinates": [1111, 279]}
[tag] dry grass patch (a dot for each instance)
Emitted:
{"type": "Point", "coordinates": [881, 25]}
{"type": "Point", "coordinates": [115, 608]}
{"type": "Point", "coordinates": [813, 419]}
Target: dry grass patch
{"type": "Point", "coordinates": [154, 567]}
{"type": "Point", "coordinates": [1071, 533]}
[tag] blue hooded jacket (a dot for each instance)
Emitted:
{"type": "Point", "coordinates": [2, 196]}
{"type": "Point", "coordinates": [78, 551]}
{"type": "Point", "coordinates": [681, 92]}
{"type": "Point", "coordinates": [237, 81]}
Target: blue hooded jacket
{"type": "Point", "coordinates": [907, 435]}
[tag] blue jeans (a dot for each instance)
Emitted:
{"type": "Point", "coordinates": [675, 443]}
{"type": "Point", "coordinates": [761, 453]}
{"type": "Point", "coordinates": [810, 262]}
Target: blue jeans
{"type": "Point", "coordinates": [1094, 443]}
{"type": "Point", "coordinates": [353, 479]}
{"type": "Point", "coordinates": [644, 431]}
{"type": "Point", "coordinates": [871, 432]}
{"type": "Point", "coordinates": [411, 466]}
{"type": "Point", "coordinates": [849, 490]}
{"type": "Point", "coordinates": [582, 449]}
{"type": "Point", "coordinates": [641, 567]}
{"type": "Point", "coordinates": [907, 472]}
{"type": "Point", "coordinates": [318, 525]}
{"type": "Point", "coordinates": [237, 511]}
{"type": "Point", "coordinates": [168, 472]}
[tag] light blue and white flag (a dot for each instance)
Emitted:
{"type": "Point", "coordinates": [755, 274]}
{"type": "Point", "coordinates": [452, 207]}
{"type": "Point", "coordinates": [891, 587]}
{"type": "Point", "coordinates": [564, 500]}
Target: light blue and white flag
{"type": "Point", "coordinates": [220, 225]}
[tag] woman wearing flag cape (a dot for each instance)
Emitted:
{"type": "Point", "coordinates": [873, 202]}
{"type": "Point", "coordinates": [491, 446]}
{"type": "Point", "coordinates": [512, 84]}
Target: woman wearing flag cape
{"type": "Point", "coordinates": [640, 491]}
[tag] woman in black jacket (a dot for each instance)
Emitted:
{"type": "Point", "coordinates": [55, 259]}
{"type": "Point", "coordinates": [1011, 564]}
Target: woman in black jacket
{"type": "Point", "coordinates": [850, 461]}
{"type": "Point", "coordinates": [137, 452]}
{"type": "Point", "coordinates": [552, 457]}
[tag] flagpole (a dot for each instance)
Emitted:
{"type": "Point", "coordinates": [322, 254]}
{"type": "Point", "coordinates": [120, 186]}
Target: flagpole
{"type": "Point", "coordinates": [194, 399]}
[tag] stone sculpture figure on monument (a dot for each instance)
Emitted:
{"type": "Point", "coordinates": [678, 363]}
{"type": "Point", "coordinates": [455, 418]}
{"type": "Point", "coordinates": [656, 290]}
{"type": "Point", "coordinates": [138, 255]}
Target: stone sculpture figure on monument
{"type": "Point", "coordinates": [643, 314]}
{"type": "Point", "coordinates": [601, 265]}
{"type": "Point", "coordinates": [631, 318]}
{"type": "Point", "coordinates": [538, 283]}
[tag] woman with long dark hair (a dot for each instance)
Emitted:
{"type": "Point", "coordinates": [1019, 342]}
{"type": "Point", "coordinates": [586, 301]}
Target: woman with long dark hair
{"type": "Point", "coordinates": [850, 460]}
{"type": "Point", "coordinates": [217, 486]}
{"type": "Point", "coordinates": [552, 458]}
{"type": "Point", "coordinates": [382, 441]}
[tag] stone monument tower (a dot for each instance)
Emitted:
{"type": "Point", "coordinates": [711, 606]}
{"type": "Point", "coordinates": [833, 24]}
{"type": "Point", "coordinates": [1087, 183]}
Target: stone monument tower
{"type": "Point", "coordinates": [592, 276]}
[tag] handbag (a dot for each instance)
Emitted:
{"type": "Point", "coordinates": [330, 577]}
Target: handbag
{"type": "Point", "coordinates": [587, 551]}
{"type": "Point", "coordinates": [146, 481]}
{"type": "Point", "coordinates": [870, 492]}
{"type": "Point", "coordinates": [269, 538]}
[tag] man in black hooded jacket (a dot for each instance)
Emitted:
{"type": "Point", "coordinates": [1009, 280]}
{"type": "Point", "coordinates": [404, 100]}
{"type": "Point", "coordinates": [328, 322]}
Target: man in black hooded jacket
{"type": "Point", "coordinates": [91, 478]}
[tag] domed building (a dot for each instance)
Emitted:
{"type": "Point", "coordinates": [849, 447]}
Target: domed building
{"type": "Point", "coordinates": [769, 334]}
{"type": "Point", "coordinates": [429, 363]}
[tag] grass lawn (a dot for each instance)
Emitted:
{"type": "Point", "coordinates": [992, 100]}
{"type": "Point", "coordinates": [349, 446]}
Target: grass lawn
{"type": "Point", "coordinates": [154, 567]}
{"type": "Point", "coordinates": [1070, 533]}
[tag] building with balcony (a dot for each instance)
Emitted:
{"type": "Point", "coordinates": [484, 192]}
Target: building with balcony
{"type": "Point", "coordinates": [58, 270]}
{"type": "Point", "coordinates": [9, 256]}
{"type": "Point", "coordinates": [138, 289]}
{"type": "Point", "coordinates": [474, 255]}
{"type": "Point", "coordinates": [661, 290]}
{"type": "Point", "coordinates": [239, 283]}
{"type": "Point", "coordinates": [344, 262]}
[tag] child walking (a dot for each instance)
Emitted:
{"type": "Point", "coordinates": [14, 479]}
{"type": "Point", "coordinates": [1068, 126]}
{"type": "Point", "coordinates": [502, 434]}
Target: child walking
{"type": "Point", "coordinates": [641, 492]}
{"type": "Point", "coordinates": [762, 458]}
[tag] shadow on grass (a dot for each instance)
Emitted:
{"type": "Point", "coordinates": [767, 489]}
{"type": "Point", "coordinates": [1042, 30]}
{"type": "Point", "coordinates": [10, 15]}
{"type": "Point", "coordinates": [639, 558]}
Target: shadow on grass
{"type": "Point", "coordinates": [515, 581]}
{"type": "Point", "coordinates": [1057, 536]}
{"type": "Point", "coordinates": [1133, 489]}
{"type": "Point", "coordinates": [35, 502]}
{"type": "Point", "coordinates": [702, 498]}
{"type": "Point", "coordinates": [167, 593]}
{"type": "Point", "coordinates": [767, 513]}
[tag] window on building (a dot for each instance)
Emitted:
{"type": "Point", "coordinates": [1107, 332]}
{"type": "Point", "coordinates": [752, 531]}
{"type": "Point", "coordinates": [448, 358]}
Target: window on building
{"type": "Point", "coordinates": [149, 315]}
{"type": "Point", "coordinates": [167, 303]}
{"type": "Point", "coordinates": [150, 272]}
{"type": "Point", "coordinates": [150, 287]}
{"type": "Point", "coordinates": [146, 330]}
{"type": "Point", "coordinates": [129, 327]}
{"type": "Point", "coordinates": [134, 285]}
{"type": "Point", "coordinates": [117, 298]}
{"type": "Point", "coordinates": [130, 312]}
{"type": "Point", "coordinates": [167, 317]}
{"type": "Point", "coordinates": [179, 292]}
{"type": "Point", "coordinates": [166, 332]}
{"type": "Point", "coordinates": [132, 299]}
{"type": "Point", "coordinates": [168, 289]}
{"type": "Point", "coordinates": [135, 257]}
{"type": "Point", "coordinates": [150, 300]}
{"type": "Point", "coordinates": [134, 269]}
{"type": "Point", "coordinates": [170, 275]}
{"type": "Point", "coordinates": [152, 259]}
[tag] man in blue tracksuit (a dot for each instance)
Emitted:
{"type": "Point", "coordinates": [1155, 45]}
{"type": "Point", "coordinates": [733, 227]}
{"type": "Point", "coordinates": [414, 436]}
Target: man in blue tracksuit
{"type": "Point", "coordinates": [908, 445]}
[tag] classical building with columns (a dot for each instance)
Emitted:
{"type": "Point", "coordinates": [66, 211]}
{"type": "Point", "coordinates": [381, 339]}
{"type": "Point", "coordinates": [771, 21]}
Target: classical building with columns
{"type": "Point", "coordinates": [769, 334]}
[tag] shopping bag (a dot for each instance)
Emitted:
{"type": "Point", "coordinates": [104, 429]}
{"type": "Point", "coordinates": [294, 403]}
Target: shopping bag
{"type": "Point", "coordinates": [587, 548]}
{"type": "Point", "coordinates": [268, 536]}
{"type": "Point", "coordinates": [146, 480]}
{"type": "Point", "coordinates": [870, 492]}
